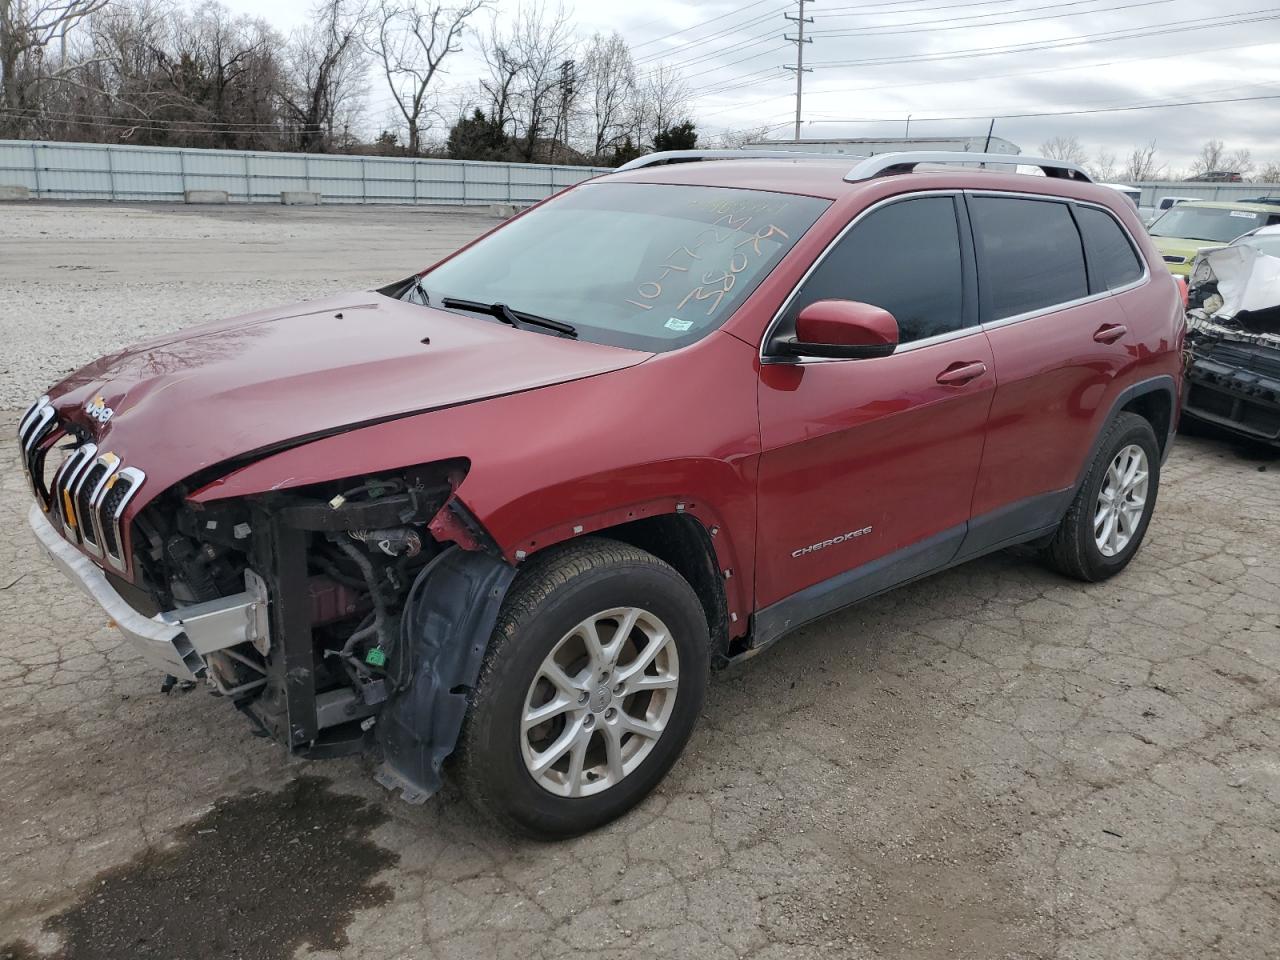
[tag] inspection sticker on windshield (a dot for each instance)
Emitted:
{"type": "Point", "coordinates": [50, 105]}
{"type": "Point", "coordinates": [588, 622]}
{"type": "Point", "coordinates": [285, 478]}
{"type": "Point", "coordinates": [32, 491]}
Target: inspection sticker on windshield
{"type": "Point", "coordinates": [675, 323]}
{"type": "Point", "coordinates": [1244, 213]}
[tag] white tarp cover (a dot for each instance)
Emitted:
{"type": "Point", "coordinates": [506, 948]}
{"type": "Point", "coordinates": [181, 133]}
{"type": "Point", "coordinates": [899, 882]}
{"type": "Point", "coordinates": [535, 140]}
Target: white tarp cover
{"type": "Point", "coordinates": [1247, 279]}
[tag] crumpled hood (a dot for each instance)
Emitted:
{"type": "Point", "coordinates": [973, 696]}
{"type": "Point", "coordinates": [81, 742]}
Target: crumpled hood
{"type": "Point", "coordinates": [217, 392]}
{"type": "Point", "coordinates": [1248, 279]}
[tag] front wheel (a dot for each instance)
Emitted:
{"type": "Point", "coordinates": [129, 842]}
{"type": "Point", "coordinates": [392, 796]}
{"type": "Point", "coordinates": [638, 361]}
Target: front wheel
{"type": "Point", "coordinates": [1109, 516]}
{"type": "Point", "coordinates": [591, 686]}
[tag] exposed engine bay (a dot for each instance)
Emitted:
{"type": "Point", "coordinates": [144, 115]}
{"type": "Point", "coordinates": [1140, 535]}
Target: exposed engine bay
{"type": "Point", "coordinates": [364, 596]}
{"type": "Point", "coordinates": [1233, 341]}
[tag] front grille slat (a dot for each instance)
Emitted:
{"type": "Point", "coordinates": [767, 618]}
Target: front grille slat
{"type": "Point", "coordinates": [35, 428]}
{"type": "Point", "coordinates": [28, 416]}
{"type": "Point", "coordinates": [82, 499]}
{"type": "Point", "coordinates": [88, 492]}
{"type": "Point", "coordinates": [64, 484]}
{"type": "Point", "coordinates": [120, 490]}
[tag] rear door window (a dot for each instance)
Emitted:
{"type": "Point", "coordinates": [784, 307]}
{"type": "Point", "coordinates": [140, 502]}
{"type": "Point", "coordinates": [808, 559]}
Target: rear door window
{"type": "Point", "coordinates": [1029, 255]}
{"type": "Point", "coordinates": [1112, 260]}
{"type": "Point", "coordinates": [904, 257]}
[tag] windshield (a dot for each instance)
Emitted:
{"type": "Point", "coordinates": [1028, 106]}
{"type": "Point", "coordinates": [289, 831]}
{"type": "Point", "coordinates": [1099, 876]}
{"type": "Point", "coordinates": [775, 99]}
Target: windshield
{"type": "Point", "coordinates": [1268, 244]}
{"type": "Point", "coordinates": [639, 265]}
{"type": "Point", "coordinates": [1215, 224]}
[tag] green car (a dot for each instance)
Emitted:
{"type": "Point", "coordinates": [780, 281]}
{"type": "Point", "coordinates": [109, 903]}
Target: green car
{"type": "Point", "coordinates": [1190, 225]}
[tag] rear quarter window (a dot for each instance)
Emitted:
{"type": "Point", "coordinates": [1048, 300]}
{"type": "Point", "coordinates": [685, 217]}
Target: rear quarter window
{"type": "Point", "coordinates": [1029, 255]}
{"type": "Point", "coordinates": [1112, 260]}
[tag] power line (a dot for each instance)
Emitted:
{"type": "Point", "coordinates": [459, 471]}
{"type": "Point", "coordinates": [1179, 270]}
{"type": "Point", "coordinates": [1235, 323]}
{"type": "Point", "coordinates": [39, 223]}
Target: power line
{"type": "Point", "coordinates": [736, 47]}
{"type": "Point", "coordinates": [1084, 39]}
{"type": "Point", "coordinates": [171, 126]}
{"type": "Point", "coordinates": [1232, 88]}
{"type": "Point", "coordinates": [698, 26]}
{"type": "Point", "coordinates": [1029, 73]}
{"type": "Point", "coordinates": [1070, 113]}
{"type": "Point", "coordinates": [876, 8]}
{"type": "Point", "coordinates": [732, 63]}
{"type": "Point", "coordinates": [698, 42]}
{"type": "Point", "coordinates": [891, 29]}
{"type": "Point", "coordinates": [223, 126]}
{"type": "Point", "coordinates": [752, 80]}
{"type": "Point", "coordinates": [742, 80]}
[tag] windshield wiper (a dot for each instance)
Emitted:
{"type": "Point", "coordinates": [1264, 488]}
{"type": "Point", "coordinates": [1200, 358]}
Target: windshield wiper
{"type": "Point", "coordinates": [513, 317]}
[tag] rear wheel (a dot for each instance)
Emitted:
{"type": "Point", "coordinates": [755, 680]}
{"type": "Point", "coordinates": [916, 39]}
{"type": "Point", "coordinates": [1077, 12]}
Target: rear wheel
{"type": "Point", "coordinates": [1108, 519]}
{"type": "Point", "coordinates": [589, 691]}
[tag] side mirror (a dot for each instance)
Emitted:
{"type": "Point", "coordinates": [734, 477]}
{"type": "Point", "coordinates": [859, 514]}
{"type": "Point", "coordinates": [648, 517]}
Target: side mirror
{"type": "Point", "coordinates": [842, 329]}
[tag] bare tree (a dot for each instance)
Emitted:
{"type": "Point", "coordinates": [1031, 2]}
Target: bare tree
{"type": "Point", "coordinates": [1142, 164]}
{"type": "Point", "coordinates": [737, 139]}
{"type": "Point", "coordinates": [326, 65]}
{"type": "Point", "coordinates": [542, 43]}
{"type": "Point", "coordinates": [411, 39]}
{"type": "Point", "coordinates": [661, 101]}
{"type": "Point", "coordinates": [1270, 172]}
{"type": "Point", "coordinates": [610, 75]}
{"type": "Point", "coordinates": [1103, 167]}
{"type": "Point", "coordinates": [224, 70]}
{"type": "Point", "coordinates": [1210, 158]}
{"type": "Point", "coordinates": [1064, 148]}
{"type": "Point", "coordinates": [1241, 162]}
{"type": "Point", "coordinates": [27, 29]}
{"type": "Point", "coordinates": [505, 68]}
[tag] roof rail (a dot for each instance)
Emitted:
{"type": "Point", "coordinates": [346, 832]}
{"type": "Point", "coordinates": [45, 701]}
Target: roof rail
{"type": "Point", "coordinates": [685, 156]}
{"type": "Point", "coordinates": [883, 163]}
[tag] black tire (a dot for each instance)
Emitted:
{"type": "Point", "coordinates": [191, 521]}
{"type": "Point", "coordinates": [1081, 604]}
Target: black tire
{"type": "Point", "coordinates": [1074, 551]}
{"type": "Point", "coordinates": [554, 592]}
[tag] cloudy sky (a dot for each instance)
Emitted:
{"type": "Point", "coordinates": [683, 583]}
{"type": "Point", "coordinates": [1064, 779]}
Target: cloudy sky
{"type": "Point", "coordinates": [950, 64]}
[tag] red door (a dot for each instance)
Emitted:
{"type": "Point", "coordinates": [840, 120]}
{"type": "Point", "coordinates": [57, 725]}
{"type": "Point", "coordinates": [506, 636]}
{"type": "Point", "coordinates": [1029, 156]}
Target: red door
{"type": "Point", "coordinates": [868, 466]}
{"type": "Point", "coordinates": [1059, 340]}
{"type": "Point", "coordinates": [876, 452]}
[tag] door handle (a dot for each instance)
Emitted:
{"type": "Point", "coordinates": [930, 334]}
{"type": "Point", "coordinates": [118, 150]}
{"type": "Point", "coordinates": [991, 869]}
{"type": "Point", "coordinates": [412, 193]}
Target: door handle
{"type": "Point", "coordinates": [961, 372]}
{"type": "Point", "coordinates": [1110, 332]}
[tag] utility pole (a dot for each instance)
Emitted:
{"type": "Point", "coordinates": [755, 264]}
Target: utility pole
{"type": "Point", "coordinates": [799, 40]}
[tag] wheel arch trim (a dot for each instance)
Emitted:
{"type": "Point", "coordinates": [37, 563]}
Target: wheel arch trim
{"type": "Point", "coordinates": [1163, 383]}
{"type": "Point", "coordinates": [731, 600]}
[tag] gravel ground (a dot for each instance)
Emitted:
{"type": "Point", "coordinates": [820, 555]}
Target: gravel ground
{"type": "Point", "coordinates": [994, 762]}
{"type": "Point", "coordinates": [80, 280]}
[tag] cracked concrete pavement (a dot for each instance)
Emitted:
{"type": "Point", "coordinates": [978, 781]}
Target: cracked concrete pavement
{"type": "Point", "coordinates": [995, 762]}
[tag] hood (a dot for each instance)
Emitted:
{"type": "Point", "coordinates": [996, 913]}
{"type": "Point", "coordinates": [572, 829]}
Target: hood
{"type": "Point", "coordinates": [1182, 248]}
{"type": "Point", "coordinates": [218, 392]}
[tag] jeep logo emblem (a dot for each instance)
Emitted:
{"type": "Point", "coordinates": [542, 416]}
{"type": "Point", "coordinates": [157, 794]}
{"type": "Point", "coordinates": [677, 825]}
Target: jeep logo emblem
{"type": "Point", "coordinates": [98, 410]}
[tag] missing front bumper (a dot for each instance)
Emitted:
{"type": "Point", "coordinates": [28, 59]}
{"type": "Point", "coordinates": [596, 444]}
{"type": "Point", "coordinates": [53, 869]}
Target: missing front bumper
{"type": "Point", "coordinates": [1237, 387]}
{"type": "Point", "coordinates": [176, 641]}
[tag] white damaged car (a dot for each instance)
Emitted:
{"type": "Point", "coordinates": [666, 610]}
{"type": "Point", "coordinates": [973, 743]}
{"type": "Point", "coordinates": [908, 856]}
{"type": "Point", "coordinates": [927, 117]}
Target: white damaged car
{"type": "Point", "coordinates": [1233, 336]}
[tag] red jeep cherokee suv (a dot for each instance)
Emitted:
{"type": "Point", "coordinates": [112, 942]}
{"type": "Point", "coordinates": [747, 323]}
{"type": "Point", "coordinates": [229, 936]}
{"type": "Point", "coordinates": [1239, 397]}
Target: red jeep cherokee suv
{"type": "Point", "coordinates": [511, 510]}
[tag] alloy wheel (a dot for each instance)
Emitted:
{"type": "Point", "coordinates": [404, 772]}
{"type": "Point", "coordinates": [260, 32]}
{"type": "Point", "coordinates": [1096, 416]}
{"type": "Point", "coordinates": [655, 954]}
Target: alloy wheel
{"type": "Point", "coordinates": [599, 702]}
{"type": "Point", "coordinates": [1121, 500]}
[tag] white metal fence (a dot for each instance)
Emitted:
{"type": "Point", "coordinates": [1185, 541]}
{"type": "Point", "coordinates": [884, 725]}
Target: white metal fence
{"type": "Point", "coordinates": [93, 171]}
{"type": "Point", "coordinates": [1153, 190]}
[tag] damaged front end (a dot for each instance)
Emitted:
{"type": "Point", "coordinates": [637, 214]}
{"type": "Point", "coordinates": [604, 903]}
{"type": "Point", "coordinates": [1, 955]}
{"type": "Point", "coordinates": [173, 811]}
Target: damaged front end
{"type": "Point", "coordinates": [1233, 342]}
{"type": "Point", "coordinates": [337, 617]}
